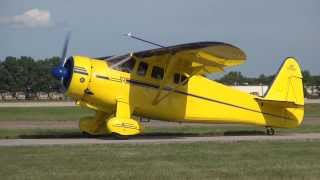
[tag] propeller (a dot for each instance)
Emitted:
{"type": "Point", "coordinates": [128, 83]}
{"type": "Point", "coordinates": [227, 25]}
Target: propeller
{"type": "Point", "coordinates": [65, 49]}
{"type": "Point", "coordinates": [60, 72]}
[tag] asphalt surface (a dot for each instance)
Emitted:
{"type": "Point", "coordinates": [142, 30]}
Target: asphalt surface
{"type": "Point", "coordinates": [156, 140]}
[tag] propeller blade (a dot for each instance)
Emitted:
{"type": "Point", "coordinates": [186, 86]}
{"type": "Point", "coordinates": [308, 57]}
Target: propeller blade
{"type": "Point", "coordinates": [65, 49]}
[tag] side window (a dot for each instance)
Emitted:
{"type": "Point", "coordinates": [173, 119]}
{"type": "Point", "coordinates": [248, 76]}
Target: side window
{"type": "Point", "coordinates": [157, 72]}
{"type": "Point", "coordinates": [179, 78]}
{"type": "Point", "coordinates": [127, 66]}
{"type": "Point", "coordinates": [142, 69]}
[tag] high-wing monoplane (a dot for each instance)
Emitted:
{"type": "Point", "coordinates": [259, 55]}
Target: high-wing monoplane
{"type": "Point", "coordinates": [170, 84]}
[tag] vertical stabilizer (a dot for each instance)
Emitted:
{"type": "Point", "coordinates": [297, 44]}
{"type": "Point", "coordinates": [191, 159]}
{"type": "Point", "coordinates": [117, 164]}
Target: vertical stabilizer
{"type": "Point", "coordinates": [287, 85]}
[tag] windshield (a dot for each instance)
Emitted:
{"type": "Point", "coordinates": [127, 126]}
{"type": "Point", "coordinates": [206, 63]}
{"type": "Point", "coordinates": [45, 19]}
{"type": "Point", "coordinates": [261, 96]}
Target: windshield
{"type": "Point", "coordinates": [124, 63]}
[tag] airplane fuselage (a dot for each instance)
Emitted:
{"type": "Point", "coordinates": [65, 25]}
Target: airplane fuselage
{"type": "Point", "coordinates": [97, 86]}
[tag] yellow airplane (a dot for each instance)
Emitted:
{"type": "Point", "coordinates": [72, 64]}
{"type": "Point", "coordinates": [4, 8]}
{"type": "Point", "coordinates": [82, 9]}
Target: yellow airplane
{"type": "Point", "coordinates": [169, 84]}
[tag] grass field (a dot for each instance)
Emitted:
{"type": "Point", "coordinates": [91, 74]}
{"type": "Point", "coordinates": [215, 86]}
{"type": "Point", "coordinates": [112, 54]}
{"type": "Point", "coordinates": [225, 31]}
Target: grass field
{"type": "Point", "coordinates": [43, 113]}
{"type": "Point", "coordinates": [312, 110]}
{"type": "Point", "coordinates": [240, 160]}
{"type": "Point", "coordinates": [245, 160]}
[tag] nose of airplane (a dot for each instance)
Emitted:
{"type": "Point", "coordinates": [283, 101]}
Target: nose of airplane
{"type": "Point", "coordinates": [63, 72]}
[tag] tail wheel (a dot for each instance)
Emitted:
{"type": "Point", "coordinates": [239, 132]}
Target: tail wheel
{"type": "Point", "coordinates": [270, 131]}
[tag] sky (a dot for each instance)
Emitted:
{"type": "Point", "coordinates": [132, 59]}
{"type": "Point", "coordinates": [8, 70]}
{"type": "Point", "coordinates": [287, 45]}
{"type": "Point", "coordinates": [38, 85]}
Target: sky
{"type": "Point", "coordinates": [268, 31]}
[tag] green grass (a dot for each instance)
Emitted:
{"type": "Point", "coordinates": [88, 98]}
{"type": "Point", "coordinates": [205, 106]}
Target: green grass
{"type": "Point", "coordinates": [43, 113]}
{"type": "Point", "coordinates": [312, 110]}
{"type": "Point", "coordinates": [245, 160]}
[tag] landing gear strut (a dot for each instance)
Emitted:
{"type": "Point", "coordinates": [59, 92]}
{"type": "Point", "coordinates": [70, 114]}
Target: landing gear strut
{"type": "Point", "coordinates": [270, 131]}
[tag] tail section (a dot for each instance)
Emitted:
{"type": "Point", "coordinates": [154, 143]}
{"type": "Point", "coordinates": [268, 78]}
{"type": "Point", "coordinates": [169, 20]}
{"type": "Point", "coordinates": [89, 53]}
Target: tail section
{"type": "Point", "coordinates": [287, 85]}
{"type": "Point", "coordinates": [286, 93]}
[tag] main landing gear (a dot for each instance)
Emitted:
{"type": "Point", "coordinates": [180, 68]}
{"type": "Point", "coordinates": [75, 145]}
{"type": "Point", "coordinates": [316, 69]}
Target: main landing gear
{"type": "Point", "coordinates": [119, 124]}
{"type": "Point", "coordinates": [270, 131]}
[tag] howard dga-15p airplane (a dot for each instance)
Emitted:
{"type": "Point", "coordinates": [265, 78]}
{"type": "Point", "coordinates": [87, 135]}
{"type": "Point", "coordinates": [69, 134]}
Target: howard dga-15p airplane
{"type": "Point", "coordinates": [169, 83]}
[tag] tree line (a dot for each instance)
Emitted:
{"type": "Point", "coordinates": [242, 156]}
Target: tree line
{"type": "Point", "coordinates": [28, 75]}
{"type": "Point", "coordinates": [236, 78]}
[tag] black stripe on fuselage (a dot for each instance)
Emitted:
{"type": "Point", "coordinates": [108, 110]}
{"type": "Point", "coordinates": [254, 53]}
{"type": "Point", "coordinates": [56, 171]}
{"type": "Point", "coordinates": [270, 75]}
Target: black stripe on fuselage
{"type": "Point", "coordinates": [102, 77]}
{"type": "Point", "coordinates": [78, 67]}
{"type": "Point", "coordinates": [80, 72]}
{"type": "Point", "coordinates": [139, 83]}
{"type": "Point", "coordinates": [143, 83]}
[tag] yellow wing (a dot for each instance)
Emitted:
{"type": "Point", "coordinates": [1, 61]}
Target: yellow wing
{"type": "Point", "coordinates": [211, 56]}
{"type": "Point", "coordinates": [191, 59]}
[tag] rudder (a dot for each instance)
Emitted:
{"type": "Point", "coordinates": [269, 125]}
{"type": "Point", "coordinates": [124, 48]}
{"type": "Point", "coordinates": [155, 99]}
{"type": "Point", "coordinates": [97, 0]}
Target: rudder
{"type": "Point", "coordinates": [287, 85]}
{"type": "Point", "coordinates": [286, 93]}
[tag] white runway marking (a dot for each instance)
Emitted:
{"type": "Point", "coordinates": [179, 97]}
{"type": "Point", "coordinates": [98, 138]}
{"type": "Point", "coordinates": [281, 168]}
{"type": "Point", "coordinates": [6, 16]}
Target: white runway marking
{"type": "Point", "coordinates": [156, 140]}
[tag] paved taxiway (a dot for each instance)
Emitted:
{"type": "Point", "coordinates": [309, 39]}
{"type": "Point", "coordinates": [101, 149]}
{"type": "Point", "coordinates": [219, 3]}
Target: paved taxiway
{"type": "Point", "coordinates": [157, 140]}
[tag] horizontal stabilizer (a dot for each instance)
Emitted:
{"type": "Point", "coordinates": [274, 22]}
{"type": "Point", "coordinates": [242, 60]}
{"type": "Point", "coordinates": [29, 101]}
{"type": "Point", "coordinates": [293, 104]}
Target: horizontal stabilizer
{"type": "Point", "coordinates": [283, 104]}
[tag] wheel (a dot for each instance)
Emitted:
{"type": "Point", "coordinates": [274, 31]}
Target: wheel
{"type": "Point", "coordinates": [270, 131]}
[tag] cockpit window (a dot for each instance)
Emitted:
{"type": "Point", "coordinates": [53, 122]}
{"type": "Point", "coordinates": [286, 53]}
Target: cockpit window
{"type": "Point", "coordinates": [157, 73]}
{"type": "Point", "coordinates": [122, 63]}
{"type": "Point", "coordinates": [142, 69]}
{"type": "Point", "coordinates": [127, 66]}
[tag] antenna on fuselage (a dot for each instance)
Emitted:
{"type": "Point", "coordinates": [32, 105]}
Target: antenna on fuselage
{"type": "Point", "coordinates": [143, 40]}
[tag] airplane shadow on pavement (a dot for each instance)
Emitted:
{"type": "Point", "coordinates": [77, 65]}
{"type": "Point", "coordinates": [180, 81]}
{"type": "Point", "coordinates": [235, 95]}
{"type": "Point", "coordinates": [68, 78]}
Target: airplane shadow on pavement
{"type": "Point", "coordinates": [153, 135]}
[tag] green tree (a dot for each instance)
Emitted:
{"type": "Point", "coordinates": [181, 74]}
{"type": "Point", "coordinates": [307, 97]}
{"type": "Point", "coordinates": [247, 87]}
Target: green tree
{"type": "Point", "coordinates": [233, 78]}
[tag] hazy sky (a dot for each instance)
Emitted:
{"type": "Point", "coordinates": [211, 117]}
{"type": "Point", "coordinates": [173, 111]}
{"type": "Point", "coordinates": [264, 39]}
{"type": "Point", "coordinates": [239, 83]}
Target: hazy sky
{"type": "Point", "coordinates": [268, 31]}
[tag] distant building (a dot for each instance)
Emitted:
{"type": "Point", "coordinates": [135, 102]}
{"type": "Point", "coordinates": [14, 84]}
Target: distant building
{"type": "Point", "coordinates": [7, 96]}
{"type": "Point", "coordinates": [56, 96]}
{"type": "Point", "coordinates": [313, 90]}
{"type": "Point", "coordinates": [42, 95]}
{"type": "Point", "coordinates": [20, 96]}
{"type": "Point", "coordinates": [255, 90]}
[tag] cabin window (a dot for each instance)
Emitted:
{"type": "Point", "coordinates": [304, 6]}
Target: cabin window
{"type": "Point", "coordinates": [157, 72]}
{"type": "Point", "coordinates": [179, 78]}
{"type": "Point", "coordinates": [127, 66]}
{"type": "Point", "coordinates": [142, 69]}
